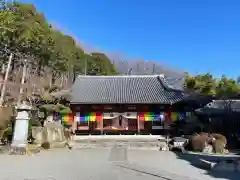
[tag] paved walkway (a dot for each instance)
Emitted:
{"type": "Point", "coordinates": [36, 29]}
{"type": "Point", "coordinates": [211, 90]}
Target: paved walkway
{"type": "Point", "coordinates": [99, 164]}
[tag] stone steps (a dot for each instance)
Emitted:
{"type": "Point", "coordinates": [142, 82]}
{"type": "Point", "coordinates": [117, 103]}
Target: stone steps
{"type": "Point", "coordinates": [127, 144]}
{"type": "Point", "coordinates": [128, 141]}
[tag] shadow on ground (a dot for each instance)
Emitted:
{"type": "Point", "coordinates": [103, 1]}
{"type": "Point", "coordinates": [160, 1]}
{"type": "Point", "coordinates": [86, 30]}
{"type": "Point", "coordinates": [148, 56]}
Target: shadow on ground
{"type": "Point", "coordinates": [195, 160]}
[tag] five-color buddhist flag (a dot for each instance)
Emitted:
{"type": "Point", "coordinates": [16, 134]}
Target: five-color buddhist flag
{"type": "Point", "coordinates": [146, 116]}
{"type": "Point", "coordinates": [174, 116]}
{"type": "Point", "coordinates": [162, 117]}
{"type": "Point", "coordinates": [92, 116]}
{"type": "Point", "coordinates": [159, 116]}
{"type": "Point", "coordinates": [169, 115]}
{"type": "Point", "coordinates": [99, 116]}
{"type": "Point", "coordinates": [87, 118]}
{"type": "Point", "coordinates": [82, 118]}
{"type": "Point", "coordinates": [141, 116]}
{"type": "Point", "coordinates": [67, 118]}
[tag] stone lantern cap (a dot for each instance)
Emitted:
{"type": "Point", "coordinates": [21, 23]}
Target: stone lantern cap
{"type": "Point", "coordinates": [23, 106]}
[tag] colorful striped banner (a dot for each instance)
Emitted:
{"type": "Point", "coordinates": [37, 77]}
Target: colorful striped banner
{"type": "Point", "coordinates": [174, 116]}
{"type": "Point", "coordinates": [169, 115]}
{"type": "Point", "coordinates": [91, 116]}
{"type": "Point", "coordinates": [99, 116]}
{"type": "Point", "coordinates": [157, 116]}
{"type": "Point", "coordinates": [149, 116]}
{"type": "Point", "coordinates": [141, 116]}
{"type": "Point", "coordinates": [67, 119]}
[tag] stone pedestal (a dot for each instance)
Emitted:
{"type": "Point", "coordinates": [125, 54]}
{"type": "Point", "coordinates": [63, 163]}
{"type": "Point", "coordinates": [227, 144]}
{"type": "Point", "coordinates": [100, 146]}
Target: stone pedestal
{"type": "Point", "coordinates": [20, 134]}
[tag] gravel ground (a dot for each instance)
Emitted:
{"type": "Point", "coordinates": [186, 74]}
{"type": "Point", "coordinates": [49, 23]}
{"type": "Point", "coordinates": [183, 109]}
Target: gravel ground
{"type": "Point", "coordinates": [98, 164]}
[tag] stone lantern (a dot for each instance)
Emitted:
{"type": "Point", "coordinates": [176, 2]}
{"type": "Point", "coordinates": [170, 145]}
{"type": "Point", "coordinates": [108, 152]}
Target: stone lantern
{"type": "Point", "coordinates": [20, 134]}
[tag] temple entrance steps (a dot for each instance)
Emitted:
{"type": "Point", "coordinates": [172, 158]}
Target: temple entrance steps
{"type": "Point", "coordinates": [148, 142]}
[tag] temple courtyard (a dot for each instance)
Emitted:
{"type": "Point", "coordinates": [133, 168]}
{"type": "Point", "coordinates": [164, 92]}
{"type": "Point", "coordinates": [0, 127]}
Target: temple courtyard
{"type": "Point", "coordinates": [114, 163]}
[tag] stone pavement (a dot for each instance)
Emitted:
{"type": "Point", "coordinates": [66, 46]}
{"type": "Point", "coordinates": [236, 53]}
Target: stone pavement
{"type": "Point", "coordinates": [116, 163]}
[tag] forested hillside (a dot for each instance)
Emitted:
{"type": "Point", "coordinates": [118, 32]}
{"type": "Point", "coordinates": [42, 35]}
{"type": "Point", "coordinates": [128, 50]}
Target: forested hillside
{"type": "Point", "coordinates": [27, 34]}
{"type": "Point", "coordinates": [52, 57]}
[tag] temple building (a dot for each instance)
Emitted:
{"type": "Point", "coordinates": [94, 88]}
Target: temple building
{"type": "Point", "coordinates": [124, 104]}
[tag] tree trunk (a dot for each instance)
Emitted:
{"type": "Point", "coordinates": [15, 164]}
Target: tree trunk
{"type": "Point", "coordinates": [39, 68]}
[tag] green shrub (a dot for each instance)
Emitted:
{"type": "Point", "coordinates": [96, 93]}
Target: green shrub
{"type": "Point", "coordinates": [65, 110]}
{"type": "Point", "coordinates": [7, 135]}
{"type": "Point", "coordinates": [50, 108]}
{"type": "Point", "coordinates": [34, 122]}
{"type": "Point", "coordinates": [9, 131]}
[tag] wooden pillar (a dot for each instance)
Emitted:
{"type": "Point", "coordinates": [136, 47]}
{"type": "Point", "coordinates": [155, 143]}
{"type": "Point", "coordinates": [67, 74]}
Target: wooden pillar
{"type": "Point", "coordinates": [102, 126]}
{"type": "Point", "coordinates": [138, 124]}
{"type": "Point", "coordinates": [89, 126]}
{"type": "Point", "coordinates": [74, 124]}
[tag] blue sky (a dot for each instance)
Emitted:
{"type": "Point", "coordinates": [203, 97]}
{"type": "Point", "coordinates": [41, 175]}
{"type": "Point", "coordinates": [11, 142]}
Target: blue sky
{"type": "Point", "coordinates": [192, 35]}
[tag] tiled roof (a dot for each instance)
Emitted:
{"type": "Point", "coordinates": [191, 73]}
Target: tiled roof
{"type": "Point", "coordinates": [220, 106]}
{"type": "Point", "coordinates": [150, 89]}
{"type": "Point", "coordinates": [175, 82]}
{"type": "Point", "coordinates": [225, 105]}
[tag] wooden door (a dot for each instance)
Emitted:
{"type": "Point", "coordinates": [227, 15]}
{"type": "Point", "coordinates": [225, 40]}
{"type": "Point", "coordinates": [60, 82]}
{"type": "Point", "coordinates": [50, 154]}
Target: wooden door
{"type": "Point", "coordinates": [132, 125]}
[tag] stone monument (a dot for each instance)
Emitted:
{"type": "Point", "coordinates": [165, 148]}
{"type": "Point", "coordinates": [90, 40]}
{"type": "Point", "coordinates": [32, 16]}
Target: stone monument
{"type": "Point", "coordinates": [20, 134]}
{"type": "Point", "coordinates": [52, 133]}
